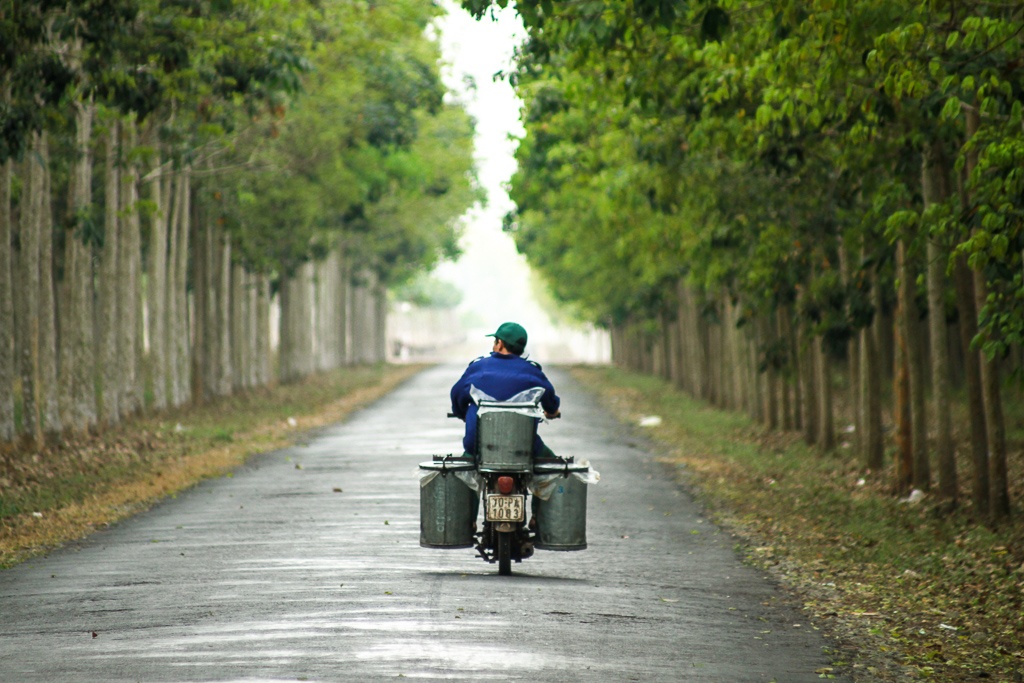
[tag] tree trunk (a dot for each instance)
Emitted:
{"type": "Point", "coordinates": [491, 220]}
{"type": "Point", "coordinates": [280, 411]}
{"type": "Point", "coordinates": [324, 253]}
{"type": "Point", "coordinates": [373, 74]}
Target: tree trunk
{"type": "Point", "coordinates": [84, 364]}
{"type": "Point", "coordinates": [380, 313]}
{"type": "Point", "coordinates": [345, 311]}
{"type": "Point", "coordinates": [826, 435]}
{"type": "Point", "coordinates": [972, 374]}
{"type": "Point", "coordinates": [771, 376]}
{"type": "Point", "coordinates": [7, 364]}
{"type": "Point", "coordinates": [339, 311]}
{"type": "Point", "coordinates": [685, 338]}
{"type": "Point", "coordinates": [784, 325]}
{"type": "Point", "coordinates": [853, 360]}
{"type": "Point", "coordinates": [27, 299]}
{"type": "Point", "coordinates": [872, 443]}
{"type": "Point", "coordinates": [807, 362]}
{"type": "Point", "coordinates": [296, 325]}
{"type": "Point", "coordinates": [157, 286]}
{"type": "Point", "coordinates": [263, 348]}
{"type": "Point", "coordinates": [655, 341]}
{"type": "Point", "coordinates": [700, 328]}
{"type": "Point", "coordinates": [663, 346]}
{"type": "Point", "coordinates": [285, 335]}
{"type": "Point", "coordinates": [302, 320]}
{"type": "Point", "coordinates": [999, 496]}
{"type": "Point", "coordinates": [732, 377]}
{"type": "Point", "coordinates": [370, 317]}
{"type": "Point", "coordinates": [615, 340]}
{"type": "Point", "coordinates": [853, 392]}
{"type": "Point", "coordinates": [326, 310]}
{"type": "Point", "coordinates": [239, 327]}
{"type": "Point", "coordinates": [236, 316]}
{"type": "Point", "coordinates": [109, 313]}
{"type": "Point", "coordinates": [78, 354]}
{"type": "Point", "coordinates": [65, 304]}
{"type": "Point", "coordinates": [716, 361]}
{"type": "Point", "coordinates": [292, 313]}
{"type": "Point", "coordinates": [673, 343]}
{"type": "Point", "coordinates": [183, 320]}
{"type": "Point", "coordinates": [995, 430]}
{"type": "Point", "coordinates": [223, 316]}
{"type": "Point", "coordinates": [172, 188]}
{"type": "Point", "coordinates": [204, 264]}
{"type": "Point", "coordinates": [797, 370]}
{"type": "Point", "coordinates": [935, 190]}
{"type": "Point", "coordinates": [362, 333]}
{"type": "Point", "coordinates": [699, 348]}
{"type": "Point", "coordinates": [916, 373]}
{"type": "Point", "coordinates": [253, 332]}
{"type": "Point", "coordinates": [130, 291]}
{"type": "Point", "coordinates": [756, 378]}
{"type": "Point", "coordinates": [725, 373]}
{"type": "Point", "coordinates": [901, 389]}
{"type": "Point", "coordinates": [739, 377]}
{"type": "Point", "coordinates": [713, 356]}
{"type": "Point", "coordinates": [48, 359]}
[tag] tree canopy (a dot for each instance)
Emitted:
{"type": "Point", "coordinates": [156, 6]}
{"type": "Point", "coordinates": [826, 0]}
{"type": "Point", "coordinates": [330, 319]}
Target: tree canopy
{"type": "Point", "coordinates": [174, 165]}
{"type": "Point", "coordinates": [744, 143]}
{"type": "Point", "coordinates": [744, 186]}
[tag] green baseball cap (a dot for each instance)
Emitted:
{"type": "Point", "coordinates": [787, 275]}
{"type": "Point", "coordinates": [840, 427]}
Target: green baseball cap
{"type": "Point", "coordinates": [513, 335]}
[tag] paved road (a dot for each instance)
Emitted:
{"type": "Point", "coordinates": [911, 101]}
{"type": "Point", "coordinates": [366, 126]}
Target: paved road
{"type": "Point", "coordinates": [273, 575]}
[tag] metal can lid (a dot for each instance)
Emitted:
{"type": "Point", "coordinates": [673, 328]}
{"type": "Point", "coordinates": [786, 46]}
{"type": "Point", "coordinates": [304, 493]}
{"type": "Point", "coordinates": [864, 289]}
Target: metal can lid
{"type": "Point", "coordinates": [458, 465]}
{"type": "Point", "coordinates": [555, 468]}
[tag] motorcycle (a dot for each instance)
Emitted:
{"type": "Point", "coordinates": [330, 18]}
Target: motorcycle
{"type": "Point", "coordinates": [504, 476]}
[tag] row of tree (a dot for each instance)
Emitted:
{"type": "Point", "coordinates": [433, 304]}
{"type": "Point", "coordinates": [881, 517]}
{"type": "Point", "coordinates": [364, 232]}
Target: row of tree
{"type": "Point", "coordinates": [177, 177]}
{"type": "Point", "coordinates": [750, 194]}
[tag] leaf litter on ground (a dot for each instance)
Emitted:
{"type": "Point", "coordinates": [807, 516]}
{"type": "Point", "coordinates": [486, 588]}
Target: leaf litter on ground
{"type": "Point", "coordinates": [906, 592]}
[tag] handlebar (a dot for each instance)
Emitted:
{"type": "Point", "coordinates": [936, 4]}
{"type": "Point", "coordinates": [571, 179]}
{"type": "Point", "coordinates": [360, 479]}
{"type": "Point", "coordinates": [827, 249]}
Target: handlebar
{"type": "Point", "coordinates": [557, 415]}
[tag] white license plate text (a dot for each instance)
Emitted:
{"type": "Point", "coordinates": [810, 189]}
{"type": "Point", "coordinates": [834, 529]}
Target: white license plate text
{"type": "Point", "coordinates": [506, 508]}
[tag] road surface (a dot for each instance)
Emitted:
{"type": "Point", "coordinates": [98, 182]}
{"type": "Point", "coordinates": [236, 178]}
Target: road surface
{"type": "Point", "coordinates": [305, 565]}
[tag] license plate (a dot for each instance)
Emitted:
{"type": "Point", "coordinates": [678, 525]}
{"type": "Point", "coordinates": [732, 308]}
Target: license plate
{"type": "Point", "coordinates": [506, 508]}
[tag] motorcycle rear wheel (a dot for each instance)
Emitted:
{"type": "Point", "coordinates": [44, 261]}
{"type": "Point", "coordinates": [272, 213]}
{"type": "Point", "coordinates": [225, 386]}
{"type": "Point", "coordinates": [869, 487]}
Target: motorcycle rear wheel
{"type": "Point", "coordinates": [504, 551]}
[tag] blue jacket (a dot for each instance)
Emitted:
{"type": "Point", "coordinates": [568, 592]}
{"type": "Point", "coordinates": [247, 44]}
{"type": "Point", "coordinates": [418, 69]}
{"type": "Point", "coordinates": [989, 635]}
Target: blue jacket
{"type": "Point", "coordinates": [500, 376]}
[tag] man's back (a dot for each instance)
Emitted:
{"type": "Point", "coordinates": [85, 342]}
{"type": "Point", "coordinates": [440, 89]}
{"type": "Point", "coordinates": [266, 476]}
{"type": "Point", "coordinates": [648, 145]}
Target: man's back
{"type": "Point", "coordinates": [500, 376]}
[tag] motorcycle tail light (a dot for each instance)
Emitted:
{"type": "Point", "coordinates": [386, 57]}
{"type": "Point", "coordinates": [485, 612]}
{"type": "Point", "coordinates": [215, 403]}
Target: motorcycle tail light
{"type": "Point", "coordinates": [505, 485]}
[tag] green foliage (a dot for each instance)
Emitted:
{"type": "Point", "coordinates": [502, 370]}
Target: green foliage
{"type": "Point", "coordinates": [340, 137]}
{"type": "Point", "coordinates": [331, 115]}
{"type": "Point", "coordinates": [34, 75]}
{"type": "Point", "coordinates": [144, 56]}
{"type": "Point", "coordinates": [748, 146]}
{"type": "Point", "coordinates": [426, 291]}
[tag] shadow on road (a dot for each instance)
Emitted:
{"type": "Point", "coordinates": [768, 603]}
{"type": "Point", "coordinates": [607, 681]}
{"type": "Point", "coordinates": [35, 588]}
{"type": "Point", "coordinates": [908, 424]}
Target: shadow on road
{"type": "Point", "coordinates": [492, 575]}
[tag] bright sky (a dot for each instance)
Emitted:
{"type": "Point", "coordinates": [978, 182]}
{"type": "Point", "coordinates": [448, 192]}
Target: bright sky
{"type": "Point", "coordinates": [493, 276]}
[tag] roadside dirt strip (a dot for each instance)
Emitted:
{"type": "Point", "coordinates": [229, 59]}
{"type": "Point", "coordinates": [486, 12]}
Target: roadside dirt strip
{"type": "Point", "coordinates": [305, 565]}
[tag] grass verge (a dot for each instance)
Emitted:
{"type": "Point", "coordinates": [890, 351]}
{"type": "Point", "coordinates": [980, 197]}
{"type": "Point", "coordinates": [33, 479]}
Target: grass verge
{"type": "Point", "coordinates": [910, 591]}
{"type": "Point", "coordinates": [69, 489]}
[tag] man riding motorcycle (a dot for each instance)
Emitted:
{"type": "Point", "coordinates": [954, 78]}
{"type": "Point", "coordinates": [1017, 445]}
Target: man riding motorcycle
{"type": "Point", "coordinates": [501, 375]}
